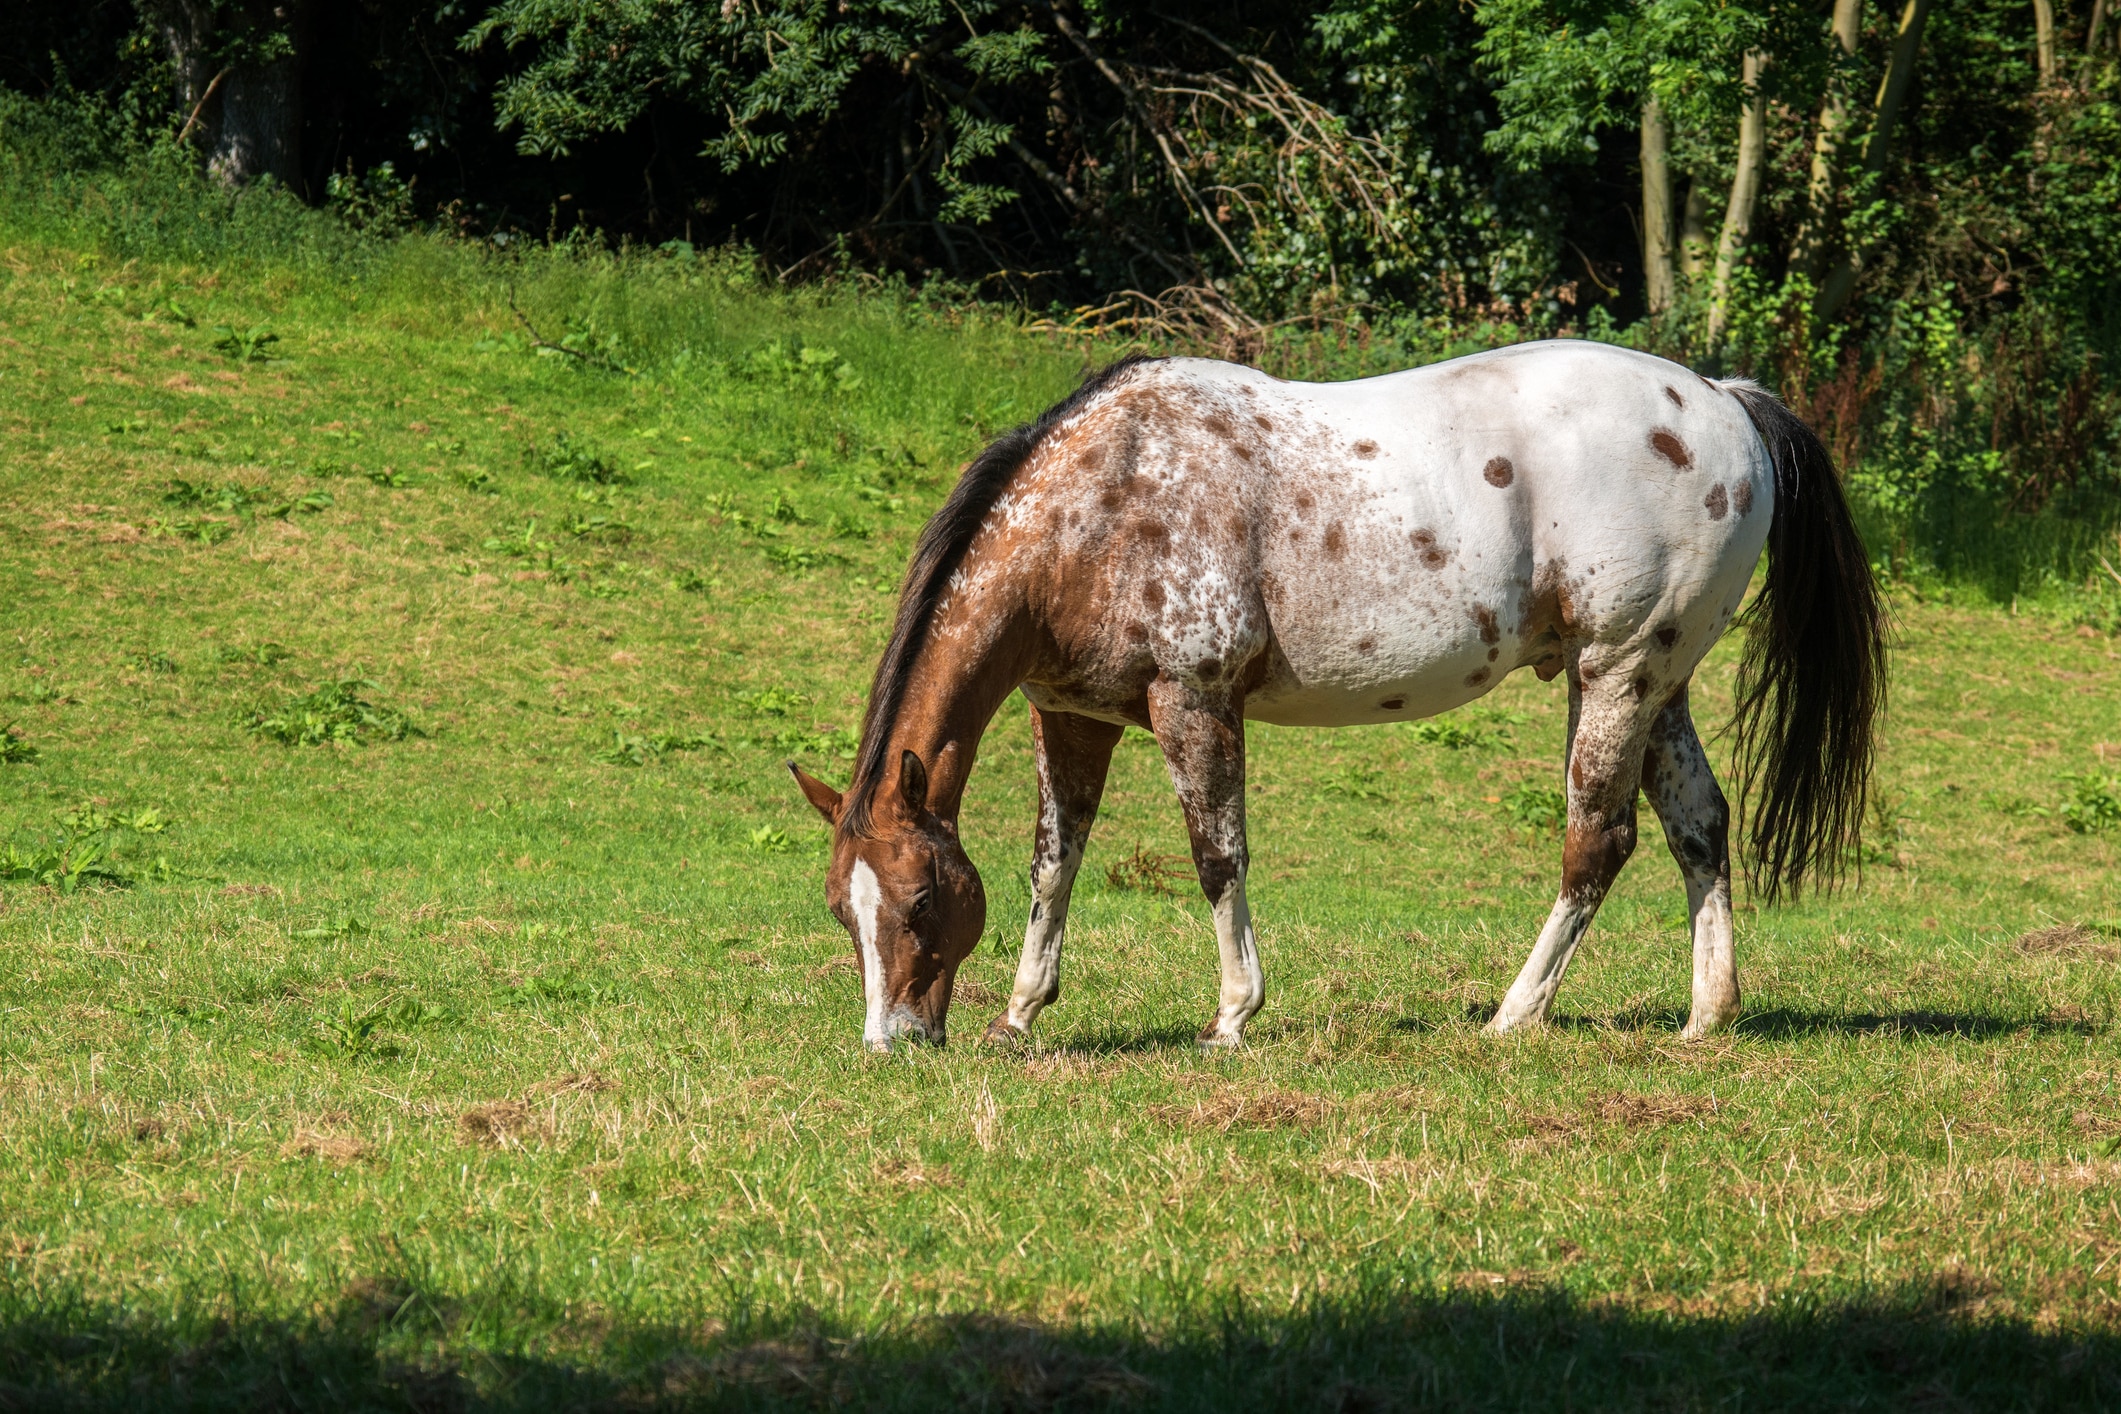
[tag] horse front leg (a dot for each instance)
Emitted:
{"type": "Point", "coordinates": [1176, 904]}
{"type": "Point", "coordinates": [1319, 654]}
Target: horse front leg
{"type": "Point", "coordinates": [1604, 769]}
{"type": "Point", "coordinates": [1073, 755]}
{"type": "Point", "coordinates": [1682, 789]}
{"type": "Point", "coordinates": [1203, 737]}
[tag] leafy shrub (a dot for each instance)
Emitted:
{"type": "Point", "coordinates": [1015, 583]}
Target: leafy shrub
{"type": "Point", "coordinates": [14, 750]}
{"type": "Point", "coordinates": [2094, 804]}
{"type": "Point", "coordinates": [568, 458]}
{"type": "Point", "coordinates": [334, 713]}
{"type": "Point", "coordinates": [1453, 735]}
{"type": "Point", "coordinates": [1541, 809]}
{"type": "Point", "coordinates": [75, 861]}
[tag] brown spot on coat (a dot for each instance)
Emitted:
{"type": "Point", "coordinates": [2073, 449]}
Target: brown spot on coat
{"type": "Point", "coordinates": [1139, 632]}
{"type": "Point", "coordinates": [1304, 501]}
{"type": "Point", "coordinates": [1433, 556]}
{"type": "Point", "coordinates": [1717, 501]}
{"type": "Point", "coordinates": [1641, 686]}
{"type": "Point", "coordinates": [1393, 704]}
{"type": "Point", "coordinates": [1153, 594]}
{"type": "Point", "coordinates": [1477, 678]}
{"type": "Point", "coordinates": [1109, 500]}
{"type": "Point", "coordinates": [1366, 449]}
{"type": "Point", "coordinates": [1208, 667]}
{"type": "Point", "coordinates": [1668, 635]}
{"type": "Point", "coordinates": [1218, 424]}
{"type": "Point", "coordinates": [1490, 630]}
{"type": "Point", "coordinates": [1366, 644]}
{"type": "Point", "coordinates": [1265, 424]}
{"type": "Point", "coordinates": [1336, 539]}
{"type": "Point", "coordinates": [1742, 497]}
{"type": "Point", "coordinates": [1493, 654]}
{"type": "Point", "coordinates": [1673, 394]}
{"type": "Point", "coordinates": [1499, 472]}
{"type": "Point", "coordinates": [1665, 443]}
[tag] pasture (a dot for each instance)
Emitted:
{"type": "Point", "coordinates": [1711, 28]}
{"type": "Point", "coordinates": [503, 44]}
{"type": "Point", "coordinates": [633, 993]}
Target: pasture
{"type": "Point", "coordinates": [415, 989]}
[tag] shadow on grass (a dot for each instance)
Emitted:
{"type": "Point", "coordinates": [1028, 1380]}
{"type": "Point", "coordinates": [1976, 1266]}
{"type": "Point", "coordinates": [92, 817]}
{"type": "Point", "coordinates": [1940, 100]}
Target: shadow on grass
{"type": "Point", "coordinates": [1785, 1025]}
{"type": "Point", "coordinates": [391, 1347]}
{"type": "Point", "coordinates": [1113, 1043]}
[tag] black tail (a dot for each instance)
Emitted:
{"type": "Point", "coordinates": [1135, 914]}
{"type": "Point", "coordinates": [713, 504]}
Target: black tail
{"type": "Point", "coordinates": [1812, 680]}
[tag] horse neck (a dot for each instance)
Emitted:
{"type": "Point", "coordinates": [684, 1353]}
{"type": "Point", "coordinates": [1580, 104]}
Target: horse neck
{"type": "Point", "coordinates": [976, 654]}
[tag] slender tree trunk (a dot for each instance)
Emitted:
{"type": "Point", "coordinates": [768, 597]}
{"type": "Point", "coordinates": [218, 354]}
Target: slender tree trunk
{"type": "Point", "coordinates": [1694, 229]}
{"type": "Point", "coordinates": [1659, 279]}
{"type": "Point", "coordinates": [1745, 190]}
{"type": "Point", "coordinates": [251, 122]}
{"type": "Point", "coordinates": [2092, 34]}
{"type": "Point", "coordinates": [1808, 251]}
{"type": "Point", "coordinates": [1892, 92]}
{"type": "Point", "coordinates": [2044, 39]}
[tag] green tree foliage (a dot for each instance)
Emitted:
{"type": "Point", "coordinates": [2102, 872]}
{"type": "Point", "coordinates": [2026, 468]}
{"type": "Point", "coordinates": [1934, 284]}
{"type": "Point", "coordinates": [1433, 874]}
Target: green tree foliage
{"type": "Point", "coordinates": [1906, 217]}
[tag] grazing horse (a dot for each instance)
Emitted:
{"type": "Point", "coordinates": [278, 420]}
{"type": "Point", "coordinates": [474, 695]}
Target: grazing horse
{"type": "Point", "coordinates": [1185, 545]}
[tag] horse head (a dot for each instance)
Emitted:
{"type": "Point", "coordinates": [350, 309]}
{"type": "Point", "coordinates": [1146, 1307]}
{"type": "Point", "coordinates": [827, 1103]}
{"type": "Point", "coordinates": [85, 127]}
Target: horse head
{"type": "Point", "coordinates": [908, 896]}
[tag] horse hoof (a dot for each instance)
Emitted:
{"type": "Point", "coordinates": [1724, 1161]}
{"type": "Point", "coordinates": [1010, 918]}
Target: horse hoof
{"type": "Point", "coordinates": [1213, 1038]}
{"type": "Point", "coordinates": [1003, 1032]}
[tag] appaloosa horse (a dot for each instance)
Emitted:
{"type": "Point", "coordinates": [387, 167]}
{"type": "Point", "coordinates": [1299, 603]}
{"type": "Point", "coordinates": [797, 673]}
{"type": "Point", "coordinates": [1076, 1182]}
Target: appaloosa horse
{"type": "Point", "coordinates": [1185, 544]}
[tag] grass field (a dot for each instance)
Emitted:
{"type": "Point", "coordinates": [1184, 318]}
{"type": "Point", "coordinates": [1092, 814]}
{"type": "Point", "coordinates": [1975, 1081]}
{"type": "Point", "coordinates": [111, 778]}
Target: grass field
{"type": "Point", "coordinates": [504, 1055]}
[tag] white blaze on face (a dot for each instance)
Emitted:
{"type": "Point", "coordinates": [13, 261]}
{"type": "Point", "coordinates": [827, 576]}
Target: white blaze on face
{"type": "Point", "coordinates": [867, 899]}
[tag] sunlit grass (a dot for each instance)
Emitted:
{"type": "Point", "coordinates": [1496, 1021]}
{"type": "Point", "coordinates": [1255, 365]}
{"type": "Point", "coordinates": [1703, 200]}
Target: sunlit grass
{"type": "Point", "coordinates": [514, 1052]}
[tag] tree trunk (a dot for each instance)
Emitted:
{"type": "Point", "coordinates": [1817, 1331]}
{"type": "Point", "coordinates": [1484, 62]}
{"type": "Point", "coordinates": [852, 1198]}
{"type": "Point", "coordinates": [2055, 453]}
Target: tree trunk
{"type": "Point", "coordinates": [251, 120]}
{"type": "Point", "coordinates": [259, 132]}
{"type": "Point", "coordinates": [1892, 92]}
{"type": "Point", "coordinates": [2044, 39]}
{"type": "Point", "coordinates": [1694, 229]}
{"type": "Point", "coordinates": [1745, 189]}
{"type": "Point", "coordinates": [1808, 250]}
{"type": "Point", "coordinates": [1659, 280]}
{"type": "Point", "coordinates": [2091, 34]}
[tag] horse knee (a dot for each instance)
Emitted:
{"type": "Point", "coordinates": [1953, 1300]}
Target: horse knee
{"type": "Point", "coordinates": [1700, 838]}
{"type": "Point", "coordinates": [1594, 852]}
{"type": "Point", "coordinates": [1217, 873]}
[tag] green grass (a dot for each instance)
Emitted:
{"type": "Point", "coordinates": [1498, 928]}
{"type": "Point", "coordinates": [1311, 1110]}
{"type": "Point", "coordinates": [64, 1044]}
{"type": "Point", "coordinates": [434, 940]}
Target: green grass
{"type": "Point", "coordinates": [471, 1030]}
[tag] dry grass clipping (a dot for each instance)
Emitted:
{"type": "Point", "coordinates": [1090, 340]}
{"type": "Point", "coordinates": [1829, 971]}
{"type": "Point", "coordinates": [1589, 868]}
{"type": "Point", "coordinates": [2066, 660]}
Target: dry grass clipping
{"type": "Point", "coordinates": [499, 1124]}
{"type": "Point", "coordinates": [340, 1149]}
{"type": "Point", "coordinates": [911, 1173]}
{"type": "Point", "coordinates": [1234, 1108]}
{"type": "Point", "coordinates": [581, 1082]}
{"type": "Point", "coordinates": [1143, 872]}
{"type": "Point", "coordinates": [1621, 1110]}
{"type": "Point", "coordinates": [2066, 940]}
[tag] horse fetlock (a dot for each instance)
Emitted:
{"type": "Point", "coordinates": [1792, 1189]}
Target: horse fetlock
{"type": "Point", "coordinates": [1506, 1021]}
{"type": "Point", "coordinates": [1709, 1017]}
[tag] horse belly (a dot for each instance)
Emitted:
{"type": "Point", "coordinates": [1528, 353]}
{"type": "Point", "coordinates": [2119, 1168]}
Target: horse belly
{"type": "Point", "coordinates": [1385, 627]}
{"type": "Point", "coordinates": [1413, 676]}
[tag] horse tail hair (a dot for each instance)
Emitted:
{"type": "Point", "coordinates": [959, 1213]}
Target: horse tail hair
{"type": "Point", "coordinates": [1811, 682]}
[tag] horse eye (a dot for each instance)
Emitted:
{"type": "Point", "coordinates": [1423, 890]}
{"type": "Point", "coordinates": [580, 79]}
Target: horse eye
{"type": "Point", "coordinates": [920, 904]}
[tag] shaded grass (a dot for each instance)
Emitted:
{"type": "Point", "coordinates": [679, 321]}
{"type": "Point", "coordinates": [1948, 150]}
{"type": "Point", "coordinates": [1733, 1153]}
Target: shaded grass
{"type": "Point", "coordinates": [306, 1114]}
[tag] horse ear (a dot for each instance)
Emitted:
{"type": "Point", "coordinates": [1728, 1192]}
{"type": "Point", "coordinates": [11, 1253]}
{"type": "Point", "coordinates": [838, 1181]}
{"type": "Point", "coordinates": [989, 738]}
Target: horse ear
{"type": "Point", "coordinates": [823, 798]}
{"type": "Point", "coordinates": [912, 782]}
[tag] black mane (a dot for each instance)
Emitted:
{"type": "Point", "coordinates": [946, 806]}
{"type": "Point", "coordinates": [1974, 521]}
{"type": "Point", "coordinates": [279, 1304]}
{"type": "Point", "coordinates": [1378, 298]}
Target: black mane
{"type": "Point", "coordinates": [940, 550]}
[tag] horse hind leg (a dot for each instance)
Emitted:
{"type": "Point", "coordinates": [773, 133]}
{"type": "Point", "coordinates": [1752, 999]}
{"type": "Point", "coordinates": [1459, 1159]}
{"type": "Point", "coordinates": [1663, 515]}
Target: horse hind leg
{"type": "Point", "coordinates": [1606, 733]}
{"type": "Point", "coordinates": [1073, 754]}
{"type": "Point", "coordinates": [1682, 789]}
